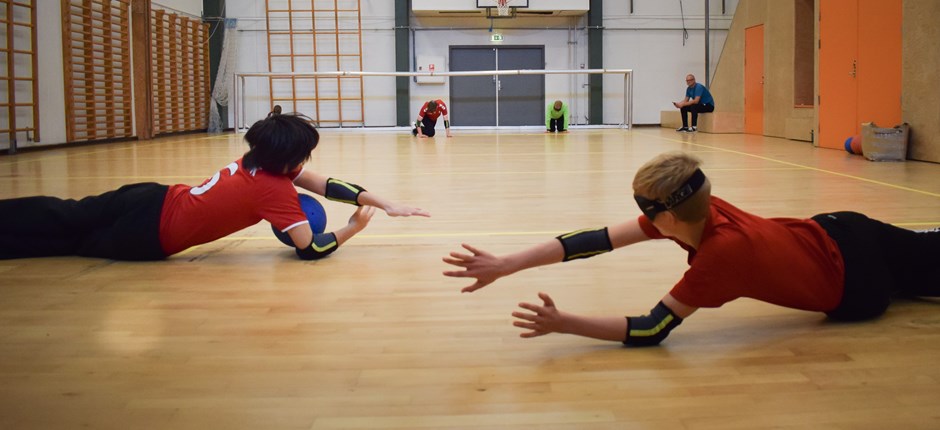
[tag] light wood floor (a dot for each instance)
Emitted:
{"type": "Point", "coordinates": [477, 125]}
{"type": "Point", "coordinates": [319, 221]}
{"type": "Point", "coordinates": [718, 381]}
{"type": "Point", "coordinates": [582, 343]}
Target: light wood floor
{"type": "Point", "coordinates": [239, 334]}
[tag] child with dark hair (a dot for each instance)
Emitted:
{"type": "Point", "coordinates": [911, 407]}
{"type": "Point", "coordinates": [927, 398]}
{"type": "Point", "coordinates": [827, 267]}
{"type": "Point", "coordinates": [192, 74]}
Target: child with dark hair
{"type": "Point", "coordinates": [150, 221]}
{"type": "Point", "coordinates": [843, 264]}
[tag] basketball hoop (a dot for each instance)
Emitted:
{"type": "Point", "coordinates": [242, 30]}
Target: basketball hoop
{"type": "Point", "coordinates": [502, 7]}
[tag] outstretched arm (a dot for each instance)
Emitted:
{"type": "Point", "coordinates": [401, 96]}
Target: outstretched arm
{"type": "Point", "coordinates": [353, 194]}
{"type": "Point", "coordinates": [486, 267]}
{"type": "Point", "coordinates": [649, 329]}
{"type": "Point", "coordinates": [545, 319]}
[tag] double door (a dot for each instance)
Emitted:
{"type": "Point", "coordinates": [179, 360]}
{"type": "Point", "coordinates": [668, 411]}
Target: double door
{"type": "Point", "coordinates": [500, 100]}
{"type": "Point", "coordinates": [859, 67]}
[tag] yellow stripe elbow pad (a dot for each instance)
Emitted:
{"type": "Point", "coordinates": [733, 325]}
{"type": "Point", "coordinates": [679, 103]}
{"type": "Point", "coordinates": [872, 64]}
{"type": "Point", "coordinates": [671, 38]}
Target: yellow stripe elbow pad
{"type": "Point", "coordinates": [649, 330]}
{"type": "Point", "coordinates": [342, 191]}
{"type": "Point", "coordinates": [585, 243]}
{"type": "Point", "coordinates": [322, 245]}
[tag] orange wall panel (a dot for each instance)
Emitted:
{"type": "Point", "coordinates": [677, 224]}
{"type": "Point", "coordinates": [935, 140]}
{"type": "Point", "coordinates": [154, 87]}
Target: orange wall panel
{"type": "Point", "coordinates": [754, 80]}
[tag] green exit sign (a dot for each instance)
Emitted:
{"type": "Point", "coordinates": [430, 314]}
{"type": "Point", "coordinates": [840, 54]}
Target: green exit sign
{"type": "Point", "coordinates": [496, 37]}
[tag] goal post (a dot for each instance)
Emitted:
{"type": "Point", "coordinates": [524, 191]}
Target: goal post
{"type": "Point", "coordinates": [239, 94]}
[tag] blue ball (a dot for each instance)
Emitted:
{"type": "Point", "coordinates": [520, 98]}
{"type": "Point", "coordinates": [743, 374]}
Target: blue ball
{"type": "Point", "coordinates": [853, 145]}
{"type": "Point", "coordinates": [315, 214]}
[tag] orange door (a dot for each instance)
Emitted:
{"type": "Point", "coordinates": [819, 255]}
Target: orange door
{"type": "Point", "coordinates": [859, 67]}
{"type": "Point", "coordinates": [879, 62]}
{"type": "Point", "coordinates": [754, 80]}
{"type": "Point", "coordinates": [838, 70]}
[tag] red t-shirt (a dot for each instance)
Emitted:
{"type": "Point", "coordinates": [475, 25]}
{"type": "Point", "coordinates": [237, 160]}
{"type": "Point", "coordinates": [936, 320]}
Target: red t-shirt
{"type": "Point", "coordinates": [232, 199]}
{"type": "Point", "coordinates": [441, 110]}
{"type": "Point", "coordinates": [785, 261]}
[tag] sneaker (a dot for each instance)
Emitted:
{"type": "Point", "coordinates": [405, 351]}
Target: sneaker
{"type": "Point", "coordinates": [683, 129]}
{"type": "Point", "coordinates": [693, 129]}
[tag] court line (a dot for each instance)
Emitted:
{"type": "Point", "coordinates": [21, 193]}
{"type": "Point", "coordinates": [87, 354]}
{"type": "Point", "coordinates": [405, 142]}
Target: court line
{"type": "Point", "coordinates": [872, 181]}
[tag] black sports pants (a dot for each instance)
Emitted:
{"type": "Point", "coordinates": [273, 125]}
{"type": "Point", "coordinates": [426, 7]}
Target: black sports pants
{"type": "Point", "coordinates": [695, 110]}
{"type": "Point", "coordinates": [122, 224]}
{"type": "Point", "coordinates": [427, 127]}
{"type": "Point", "coordinates": [881, 261]}
{"type": "Point", "coordinates": [556, 124]}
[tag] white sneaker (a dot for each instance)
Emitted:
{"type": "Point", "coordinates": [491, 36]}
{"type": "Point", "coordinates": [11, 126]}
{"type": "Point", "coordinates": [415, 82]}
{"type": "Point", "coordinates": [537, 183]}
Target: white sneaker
{"type": "Point", "coordinates": [693, 129]}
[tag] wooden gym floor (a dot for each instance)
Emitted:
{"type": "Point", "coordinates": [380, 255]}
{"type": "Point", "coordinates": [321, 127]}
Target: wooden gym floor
{"type": "Point", "coordinates": [239, 334]}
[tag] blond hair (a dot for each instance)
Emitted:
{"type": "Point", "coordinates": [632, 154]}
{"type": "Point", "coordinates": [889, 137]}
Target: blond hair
{"type": "Point", "coordinates": [664, 174]}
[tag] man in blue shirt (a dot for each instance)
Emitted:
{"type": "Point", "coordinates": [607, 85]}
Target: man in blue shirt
{"type": "Point", "coordinates": [697, 100]}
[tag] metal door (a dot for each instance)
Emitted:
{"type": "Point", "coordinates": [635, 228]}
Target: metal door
{"type": "Point", "coordinates": [520, 98]}
{"type": "Point", "coordinates": [472, 100]}
{"type": "Point", "coordinates": [512, 100]}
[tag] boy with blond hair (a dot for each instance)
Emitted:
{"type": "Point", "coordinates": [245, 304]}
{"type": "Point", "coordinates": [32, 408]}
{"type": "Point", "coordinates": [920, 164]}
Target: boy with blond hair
{"type": "Point", "coordinates": [843, 264]}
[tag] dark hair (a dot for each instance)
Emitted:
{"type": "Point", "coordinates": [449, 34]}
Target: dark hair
{"type": "Point", "coordinates": [280, 142]}
{"type": "Point", "coordinates": [432, 106]}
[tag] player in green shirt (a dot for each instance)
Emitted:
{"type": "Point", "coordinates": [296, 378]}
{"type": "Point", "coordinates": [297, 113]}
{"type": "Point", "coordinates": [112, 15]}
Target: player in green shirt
{"type": "Point", "coordinates": [556, 117]}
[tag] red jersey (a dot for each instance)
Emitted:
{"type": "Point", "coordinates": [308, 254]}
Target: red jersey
{"type": "Point", "coordinates": [785, 261]}
{"type": "Point", "coordinates": [232, 199]}
{"type": "Point", "coordinates": [441, 110]}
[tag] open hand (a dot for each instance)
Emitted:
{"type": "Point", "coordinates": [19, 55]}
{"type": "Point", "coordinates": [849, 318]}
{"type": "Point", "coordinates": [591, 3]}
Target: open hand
{"type": "Point", "coordinates": [542, 320]}
{"type": "Point", "coordinates": [395, 210]}
{"type": "Point", "coordinates": [482, 265]}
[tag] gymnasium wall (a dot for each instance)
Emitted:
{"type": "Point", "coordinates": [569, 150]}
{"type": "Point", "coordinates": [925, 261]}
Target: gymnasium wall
{"type": "Point", "coordinates": [51, 81]}
{"type": "Point", "coordinates": [920, 57]}
{"type": "Point", "coordinates": [919, 85]}
{"type": "Point", "coordinates": [782, 118]}
{"type": "Point", "coordinates": [51, 75]}
{"type": "Point", "coordinates": [649, 40]}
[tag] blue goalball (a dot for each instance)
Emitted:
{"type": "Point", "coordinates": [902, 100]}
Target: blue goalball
{"type": "Point", "coordinates": [315, 214]}
{"type": "Point", "coordinates": [853, 145]}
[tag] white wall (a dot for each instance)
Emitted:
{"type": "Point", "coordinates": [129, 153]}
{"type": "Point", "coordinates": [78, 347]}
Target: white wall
{"type": "Point", "coordinates": [650, 41]}
{"type": "Point", "coordinates": [51, 76]}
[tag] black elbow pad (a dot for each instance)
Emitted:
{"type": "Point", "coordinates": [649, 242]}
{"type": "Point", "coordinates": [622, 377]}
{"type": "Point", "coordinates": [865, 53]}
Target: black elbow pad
{"type": "Point", "coordinates": [585, 243]}
{"type": "Point", "coordinates": [649, 330]}
{"type": "Point", "coordinates": [322, 245]}
{"type": "Point", "coordinates": [342, 191]}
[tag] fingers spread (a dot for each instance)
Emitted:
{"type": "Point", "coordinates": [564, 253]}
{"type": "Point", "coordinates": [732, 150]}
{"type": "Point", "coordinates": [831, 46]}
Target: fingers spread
{"type": "Point", "coordinates": [547, 300]}
{"type": "Point", "coordinates": [455, 262]}
{"type": "Point", "coordinates": [460, 256]}
{"type": "Point", "coordinates": [472, 249]}
{"type": "Point", "coordinates": [456, 273]}
{"type": "Point", "coordinates": [534, 308]}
